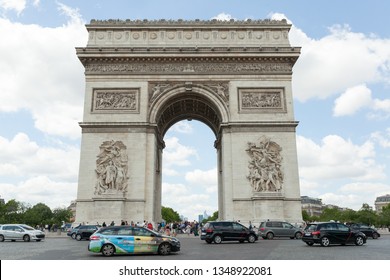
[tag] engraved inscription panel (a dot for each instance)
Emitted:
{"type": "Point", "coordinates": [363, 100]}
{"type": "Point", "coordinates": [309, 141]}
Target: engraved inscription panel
{"type": "Point", "coordinates": [262, 100]}
{"type": "Point", "coordinates": [115, 100]}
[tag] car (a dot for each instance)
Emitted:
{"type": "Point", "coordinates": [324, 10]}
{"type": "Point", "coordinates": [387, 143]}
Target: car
{"type": "Point", "coordinates": [271, 229]}
{"type": "Point", "coordinates": [130, 240]}
{"type": "Point", "coordinates": [227, 231]}
{"type": "Point", "coordinates": [84, 232]}
{"type": "Point", "coordinates": [367, 230]}
{"type": "Point", "coordinates": [66, 227]}
{"type": "Point", "coordinates": [327, 233]}
{"type": "Point", "coordinates": [23, 232]}
{"type": "Point", "coordinates": [72, 231]}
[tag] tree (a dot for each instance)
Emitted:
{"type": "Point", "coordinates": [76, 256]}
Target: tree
{"type": "Point", "coordinates": [12, 212]}
{"type": "Point", "coordinates": [366, 215]}
{"type": "Point", "coordinates": [169, 215]}
{"type": "Point", "coordinates": [384, 216]}
{"type": "Point", "coordinates": [330, 214]}
{"type": "Point", "coordinates": [61, 215]}
{"type": "Point", "coordinates": [38, 214]}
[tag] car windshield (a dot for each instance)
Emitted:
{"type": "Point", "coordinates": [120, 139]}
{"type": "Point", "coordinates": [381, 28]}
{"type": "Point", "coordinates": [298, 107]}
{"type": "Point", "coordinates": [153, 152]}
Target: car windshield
{"type": "Point", "coordinates": [26, 227]}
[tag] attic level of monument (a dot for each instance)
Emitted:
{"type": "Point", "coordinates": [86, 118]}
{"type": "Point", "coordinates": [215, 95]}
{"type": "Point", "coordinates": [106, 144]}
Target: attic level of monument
{"type": "Point", "coordinates": [199, 33]}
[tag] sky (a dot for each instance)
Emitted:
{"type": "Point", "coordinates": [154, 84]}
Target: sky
{"type": "Point", "coordinates": [341, 85]}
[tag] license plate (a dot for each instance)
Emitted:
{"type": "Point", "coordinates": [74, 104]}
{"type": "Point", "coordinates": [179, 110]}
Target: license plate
{"type": "Point", "coordinates": [307, 234]}
{"type": "Point", "coordinates": [203, 233]}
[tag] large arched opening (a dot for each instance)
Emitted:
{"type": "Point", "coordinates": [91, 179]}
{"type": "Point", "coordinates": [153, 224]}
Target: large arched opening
{"type": "Point", "coordinates": [187, 102]}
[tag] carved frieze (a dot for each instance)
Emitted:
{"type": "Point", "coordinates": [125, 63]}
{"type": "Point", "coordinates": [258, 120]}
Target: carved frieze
{"type": "Point", "coordinates": [111, 169]}
{"type": "Point", "coordinates": [182, 68]}
{"type": "Point", "coordinates": [115, 100]}
{"type": "Point", "coordinates": [265, 166]}
{"type": "Point", "coordinates": [261, 100]}
{"type": "Point", "coordinates": [218, 88]}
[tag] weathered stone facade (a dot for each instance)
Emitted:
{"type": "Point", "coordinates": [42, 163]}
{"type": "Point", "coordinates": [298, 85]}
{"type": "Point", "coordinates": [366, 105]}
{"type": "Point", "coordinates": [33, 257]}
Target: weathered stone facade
{"type": "Point", "coordinates": [144, 76]}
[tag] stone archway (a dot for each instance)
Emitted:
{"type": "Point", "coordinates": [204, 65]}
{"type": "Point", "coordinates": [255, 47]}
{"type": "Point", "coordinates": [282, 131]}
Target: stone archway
{"type": "Point", "coordinates": [144, 76]}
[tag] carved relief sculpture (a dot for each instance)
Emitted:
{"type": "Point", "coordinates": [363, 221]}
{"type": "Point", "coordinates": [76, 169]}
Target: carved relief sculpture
{"type": "Point", "coordinates": [115, 100]}
{"type": "Point", "coordinates": [262, 100]}
{"type": "Point", "coordinates": [265, 174]}
{"type": "Point", "coordinates": [111, 168]}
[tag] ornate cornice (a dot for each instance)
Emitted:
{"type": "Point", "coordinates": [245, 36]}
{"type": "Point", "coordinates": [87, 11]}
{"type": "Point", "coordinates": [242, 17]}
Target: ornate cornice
{"type": "Point", "coordinates": [196, 22]}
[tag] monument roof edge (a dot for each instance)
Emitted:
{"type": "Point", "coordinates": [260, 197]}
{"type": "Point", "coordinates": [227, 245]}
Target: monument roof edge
{"type": "Point", "coordinates": [187, 23]}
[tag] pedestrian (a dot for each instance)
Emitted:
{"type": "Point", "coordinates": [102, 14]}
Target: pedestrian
{"type": "Point", "coordinates": [112, 223]}
{"type": "Point", "coordinates": [104, 224]}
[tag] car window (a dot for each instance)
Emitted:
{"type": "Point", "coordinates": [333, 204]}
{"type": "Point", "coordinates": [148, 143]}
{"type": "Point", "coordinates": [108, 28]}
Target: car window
{"type": "Point", "coordinates": [311, 228]}
{"type": "Point", "coordinates": [287, 225]}
{"type": "Point", "coordinates": [238, 227]}
{"type": "Point", "coordinates": [8, 228]}
{"type": "Point", "coordinates": [109, 231]}
{"type": "Point", "coordinates": [126, 231]}
{"type": "Point", "coordinates": [262, 224]}
{"type": "Point", "coordinates": [137, 231]}
{"type": "Point", "coordinates": [27, 227]}
{"type": "Point", "coordinates": [277, 224]}
{"type": "Point", "coordinates": [227, 225]}
{"type": "Point", "coordinates": [342, 227]}
{"type": "Point", "coordinates": [330, 226]}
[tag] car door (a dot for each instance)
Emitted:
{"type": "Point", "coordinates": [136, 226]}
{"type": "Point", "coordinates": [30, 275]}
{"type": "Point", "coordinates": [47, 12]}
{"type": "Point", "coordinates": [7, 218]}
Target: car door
{"type": "Point", "coordinates": [287, 230]}
{"type": "Point", "coordinates": [9, 232]}
{"type": "Point", "coordinates": [144, 240]}
{"type": "Point", "coordinates": [240, 232]}
{"type": "Point", "coordinates": [338, 233]}
{"type": "Point", "coordinates": [277, 228]}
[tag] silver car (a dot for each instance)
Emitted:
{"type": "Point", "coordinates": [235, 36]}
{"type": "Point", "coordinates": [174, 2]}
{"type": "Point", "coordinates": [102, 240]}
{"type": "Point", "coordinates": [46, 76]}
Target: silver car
{"type": "Point", "coordinates": [15, 232]}
{"type": "Point", "coordinates": [271, 229]}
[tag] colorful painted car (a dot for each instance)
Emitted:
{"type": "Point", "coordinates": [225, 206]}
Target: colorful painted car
{"type": "Point", "coordinates": [131, 240]}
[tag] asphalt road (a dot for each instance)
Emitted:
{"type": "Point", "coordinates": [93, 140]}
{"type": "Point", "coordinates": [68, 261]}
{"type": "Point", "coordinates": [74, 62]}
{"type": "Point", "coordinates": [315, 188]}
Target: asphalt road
{"type": "Point", "coordinates": [65, 248]}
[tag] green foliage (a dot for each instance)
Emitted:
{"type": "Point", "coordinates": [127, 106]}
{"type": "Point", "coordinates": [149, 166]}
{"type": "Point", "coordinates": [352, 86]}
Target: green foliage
{"type": "Point", "coordinates": [14, 212]}
{"type": "Point", "coordinates": [169, 215]}
{"type": "Point", "coordinates": [38, 214]}
{"type": "Point", "coordinates": [384, 216]}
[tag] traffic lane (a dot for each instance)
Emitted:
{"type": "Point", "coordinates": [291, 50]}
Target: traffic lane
{"type": "Point", "coordinates": [195, 249]}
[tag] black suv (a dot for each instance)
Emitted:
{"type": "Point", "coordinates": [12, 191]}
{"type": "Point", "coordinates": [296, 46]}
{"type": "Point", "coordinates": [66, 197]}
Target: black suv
{"type": "Point", "coordinates": [367, 230]}
{"type": "Point", "coordinates": [328, 233]}
{"type": "Point", "coordinates": [85, 231]}
{"type": "Point", "coordinates": [227, 231]}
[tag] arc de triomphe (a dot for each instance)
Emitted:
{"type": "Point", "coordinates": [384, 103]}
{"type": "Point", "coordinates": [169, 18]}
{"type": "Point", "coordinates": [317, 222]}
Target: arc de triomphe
{"type": "Point", "coordinates": [144, 76]}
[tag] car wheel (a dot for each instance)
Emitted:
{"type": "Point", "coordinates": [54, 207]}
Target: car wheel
{"type": "Point", "coordinates": [1, 238]}
{"type": "Point", "coordinates": [164, 249]}
{"type": "Point", "coordinates": [325, 241]}
{"type": "Point", "coordinates": [270, 235]}
{"type": "Point", "coordinates": [217, 239]}
{"type": "Point", "coordinates": [26, 238]}
{"type": "Point", "coordinates": [251, 238]}
{"type": "Point", "coordinates": [310, 243]}
{"type": "Point", "coordinates": [375, 235]}
{"type": "Point", "coordinates": [78, 237]}
{"type": "Point", "coordinates": [73, 235]}
{"type": "Point", "coordinates": [359, 241]}
{"type": "Point", "coordinates": [108, 250]}
{"type": "Point", "coordinates": [298, 235]}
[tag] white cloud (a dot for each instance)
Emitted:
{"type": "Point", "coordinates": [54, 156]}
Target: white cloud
{"type": "Point", "coordinates": [359, 97]}
{"type": "Point", "coordinates": [22, 157]}
{"type": "Point", "coordinates": [16, 5]}
{"type": "Point", "coordinates": [223, 17]}
{"type": "Point", "coordinates": [340, 60]}
{"type": "Point", "coordinates": [40, 189]}
{"type": "Point", "coordinates": [352, 100]}
{"type": "Point", "coordinates": [176, 154]}
{"type": "Point", "coordinates": [383, 138]}
{"type": "Point", "coordinates": [182, 199]}
{"type": "Point", "coordinates": [337, 158]}
{"type": "Point", "coordinates": [182, 127]}
{"type": "Point", "coordinates": [43, 73]}
{"type": "Point", "coordinates": [202, 178]}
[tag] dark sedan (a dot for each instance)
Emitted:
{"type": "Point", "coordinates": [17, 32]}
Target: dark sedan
{"type": "Point", "coordinates": [367, 230]}
{"type": "Point", "coordinates": [328, 233]}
